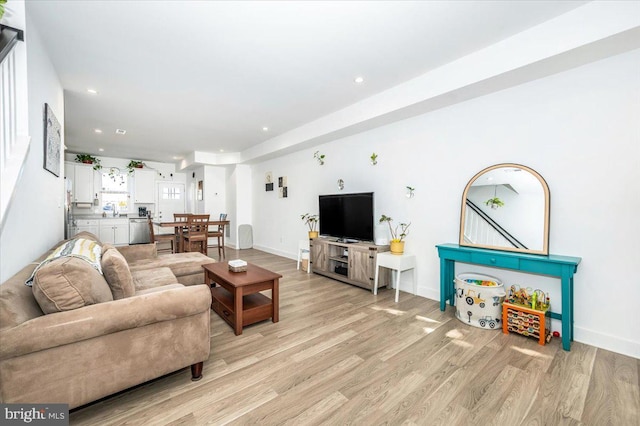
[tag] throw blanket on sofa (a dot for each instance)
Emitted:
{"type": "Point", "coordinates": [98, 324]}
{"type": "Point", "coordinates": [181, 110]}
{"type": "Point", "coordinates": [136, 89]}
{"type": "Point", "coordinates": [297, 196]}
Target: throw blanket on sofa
{"type": "Point", "coordinates": [87, 250]}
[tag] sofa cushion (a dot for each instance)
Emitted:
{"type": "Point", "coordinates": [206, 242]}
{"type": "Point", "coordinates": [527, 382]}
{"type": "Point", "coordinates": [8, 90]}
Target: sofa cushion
{"type": "Point", "coordinates": [181, 264]}
{"type": "Point", "coordinates": [150, 278]}
{"type": "Point", "coordinates": [69, 283]}
{"type": "Point", "coordinates": [116, 271]}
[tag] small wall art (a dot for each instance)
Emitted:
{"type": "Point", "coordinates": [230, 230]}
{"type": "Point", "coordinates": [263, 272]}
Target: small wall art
{"type": "Point", "coordinates": [52, 141]}
{"type": "Point", "coordinates": [282, 187]}
{"type": "Point", "coordinates": [200, 194]}
{"type": "Point", "coordinates": [268, 181]}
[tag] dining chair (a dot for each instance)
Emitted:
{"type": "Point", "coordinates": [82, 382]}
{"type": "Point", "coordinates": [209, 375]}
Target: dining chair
{"type": "Point", "coordinates": [161, 238]}
{"type": "Point", "coordinates": [196, 233]}
{"type": "Point", "coordinates": [218, 233]}
{"type": "Point", "coordinates": [179, 230]}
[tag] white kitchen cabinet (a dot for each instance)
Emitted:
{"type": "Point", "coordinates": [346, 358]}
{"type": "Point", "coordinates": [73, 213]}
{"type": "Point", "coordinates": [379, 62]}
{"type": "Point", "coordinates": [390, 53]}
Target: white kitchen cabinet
{"type": "Point", "coordinates": [88, 225]}
{"type": "Point", "coordinates": [81, 176]}
{"type": "Point", "coordinates": [145, 182]}
{"type": "Point", "coordinates": [114, 231]}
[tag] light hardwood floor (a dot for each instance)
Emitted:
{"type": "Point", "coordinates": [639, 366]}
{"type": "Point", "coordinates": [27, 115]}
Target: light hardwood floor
{"type": "Point", "coordinates": [340, 355]}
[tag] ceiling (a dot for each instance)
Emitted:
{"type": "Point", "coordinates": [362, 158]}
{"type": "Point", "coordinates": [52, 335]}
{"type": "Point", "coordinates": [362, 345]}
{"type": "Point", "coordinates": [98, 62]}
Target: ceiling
{"type": "Point", "coordinates": [186, 76]}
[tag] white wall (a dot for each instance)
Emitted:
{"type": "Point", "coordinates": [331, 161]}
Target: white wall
{"type": "Point", "coordinates": [215, 191]}
{"type": "Point", "coordinates": [35, 219]}
{"type": "Point", "coordinates": [579, 129]}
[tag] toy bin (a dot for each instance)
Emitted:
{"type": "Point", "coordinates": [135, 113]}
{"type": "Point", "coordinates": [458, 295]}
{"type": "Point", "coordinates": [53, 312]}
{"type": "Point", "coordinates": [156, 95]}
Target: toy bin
{"type": "Point", "coordinates": [479, 300]}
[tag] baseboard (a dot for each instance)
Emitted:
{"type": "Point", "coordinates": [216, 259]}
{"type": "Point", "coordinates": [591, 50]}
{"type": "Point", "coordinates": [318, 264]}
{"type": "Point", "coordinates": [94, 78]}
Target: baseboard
{"type": "Point", "coordinates": [276, 252]}
{"type": "Point", "coordinates": [606, 341]}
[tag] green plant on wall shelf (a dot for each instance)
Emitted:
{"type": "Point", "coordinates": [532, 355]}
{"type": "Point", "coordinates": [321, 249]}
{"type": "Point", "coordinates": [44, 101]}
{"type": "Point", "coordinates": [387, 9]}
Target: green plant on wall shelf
{"type": "Point", "coordinates": [396, 234]}
{"type": "Point", "coordinates": [410, 191]}
{"type": "Point", "coordinates": [134, 164]}
{"type": "Point", "coordinates": [374, 159]}
{"type": "Point", "coordinates": [89, 159]}
{"type": "Point", "coordinates": [2, 3]}
{"type": "Point", "coordinates": [319, 157]}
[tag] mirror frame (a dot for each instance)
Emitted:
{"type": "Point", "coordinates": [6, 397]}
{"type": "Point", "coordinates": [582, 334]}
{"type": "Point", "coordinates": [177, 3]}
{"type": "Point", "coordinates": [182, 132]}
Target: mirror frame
{"type": "Point", "coordinates": [545, 187]}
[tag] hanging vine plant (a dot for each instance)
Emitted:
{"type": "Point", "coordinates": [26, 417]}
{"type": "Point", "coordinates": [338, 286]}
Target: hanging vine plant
{"type": "Point", "coordinates": [494, 202]}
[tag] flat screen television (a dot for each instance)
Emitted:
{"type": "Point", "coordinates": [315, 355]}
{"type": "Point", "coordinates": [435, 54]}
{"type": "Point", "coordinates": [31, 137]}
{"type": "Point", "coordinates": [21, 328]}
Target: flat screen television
{"type": "Point", "coordinates": [347, 216]}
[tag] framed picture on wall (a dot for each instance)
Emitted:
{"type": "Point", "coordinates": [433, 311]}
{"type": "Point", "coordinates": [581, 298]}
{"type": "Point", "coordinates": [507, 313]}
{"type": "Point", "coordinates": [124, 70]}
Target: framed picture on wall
{"type": "Point", "coordinates": [268, 181]}
{"type": "Point", "coordinates": [52, 141]}
{"type": "Point", "coordinates": [199, 195]}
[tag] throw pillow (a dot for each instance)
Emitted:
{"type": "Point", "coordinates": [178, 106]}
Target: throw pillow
{"type": "Point", "coordinates": [116, 271]}
{"type": "Point", "coordinates": [81, 248]}
{"type": "Point", "coordinates": [68, 283]}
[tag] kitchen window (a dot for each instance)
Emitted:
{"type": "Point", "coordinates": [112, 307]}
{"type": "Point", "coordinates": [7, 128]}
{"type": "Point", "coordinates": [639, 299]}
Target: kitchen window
{"type": "Point", "coordinates": [115, 191]}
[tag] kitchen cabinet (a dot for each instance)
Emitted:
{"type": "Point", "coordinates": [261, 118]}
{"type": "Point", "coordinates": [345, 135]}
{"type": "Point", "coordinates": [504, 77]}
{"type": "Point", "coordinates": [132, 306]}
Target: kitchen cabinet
{"type": "Point", "coordinates": [114, 231]}
{"type": "Point", "coordinates": [352, 263]}
{"type": "Point", "coordinates": [88, 225]}
{"type": "Point", "coordinates": [81, 176]}
{"type": "Point", "coordinates": [144, 186]}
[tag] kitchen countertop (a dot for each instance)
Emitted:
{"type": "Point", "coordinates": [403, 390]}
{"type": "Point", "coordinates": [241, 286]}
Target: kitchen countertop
{"type": "Point", "coordinates": [123, 216]}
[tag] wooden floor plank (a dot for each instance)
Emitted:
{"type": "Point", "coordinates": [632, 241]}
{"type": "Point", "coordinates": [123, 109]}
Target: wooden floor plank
{"type": "Point", "coordinates": [340, 355]}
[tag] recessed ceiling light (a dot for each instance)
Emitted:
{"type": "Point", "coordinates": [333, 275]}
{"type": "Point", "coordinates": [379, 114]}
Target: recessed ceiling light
{"type": "Point", "coordinates": [120, 132]}
{"type": "Point", "coordinates": [101, 149]}
{"type": "Point", "coordinates": [359, 80]}
{"type": "Point", "coordinates": [97, 130]}
{"type": "Point", "coordinates": [92, 91]}
{"type": "Point", "coordinates": [175, 157]}
{"type": "Point", "coordinates": [265, 129]}
{"type": "Point", "coordinates": [222, 150]}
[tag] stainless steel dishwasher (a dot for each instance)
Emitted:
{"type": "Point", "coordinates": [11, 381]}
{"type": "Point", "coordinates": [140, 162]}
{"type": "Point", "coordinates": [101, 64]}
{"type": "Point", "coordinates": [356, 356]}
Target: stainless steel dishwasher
{"type": "Point", "coordinates": [139, 231]}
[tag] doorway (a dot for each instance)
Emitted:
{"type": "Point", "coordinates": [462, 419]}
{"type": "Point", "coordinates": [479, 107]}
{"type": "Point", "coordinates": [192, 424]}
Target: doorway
{"type": "Point", "coordinates": [171, 199]}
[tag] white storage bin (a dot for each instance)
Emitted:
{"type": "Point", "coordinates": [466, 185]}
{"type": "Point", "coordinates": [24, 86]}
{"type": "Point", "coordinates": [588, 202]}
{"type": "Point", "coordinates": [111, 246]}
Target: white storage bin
{"type": "Point", "coordinates": [479, 305]}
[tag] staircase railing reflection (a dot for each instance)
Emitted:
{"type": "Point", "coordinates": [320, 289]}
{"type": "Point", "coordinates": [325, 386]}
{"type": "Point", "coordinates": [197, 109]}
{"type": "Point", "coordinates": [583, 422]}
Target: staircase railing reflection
{"type": "Point", "coordinates": [481, 229]}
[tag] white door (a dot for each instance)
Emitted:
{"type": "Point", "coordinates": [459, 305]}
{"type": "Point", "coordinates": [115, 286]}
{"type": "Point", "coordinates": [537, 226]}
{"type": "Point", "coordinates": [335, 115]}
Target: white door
{"type": "Point", "coordinates": [171, 199]}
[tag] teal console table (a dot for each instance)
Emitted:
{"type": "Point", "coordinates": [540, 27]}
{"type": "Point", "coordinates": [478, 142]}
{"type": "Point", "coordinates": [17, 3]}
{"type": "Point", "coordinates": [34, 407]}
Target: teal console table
{"type": "Point", "coordinates": [563, 267]}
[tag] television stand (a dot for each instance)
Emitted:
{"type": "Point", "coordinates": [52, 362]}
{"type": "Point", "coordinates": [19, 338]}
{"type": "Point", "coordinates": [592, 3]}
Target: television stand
{"type": "Point", "coordinates": [346, 241]}
{"type": "Point", "coordinates": [352, 262]}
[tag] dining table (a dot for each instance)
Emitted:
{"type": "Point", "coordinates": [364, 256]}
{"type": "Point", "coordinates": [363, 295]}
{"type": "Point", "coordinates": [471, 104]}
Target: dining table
{"type": "Point", "coordinates": [179, 227]}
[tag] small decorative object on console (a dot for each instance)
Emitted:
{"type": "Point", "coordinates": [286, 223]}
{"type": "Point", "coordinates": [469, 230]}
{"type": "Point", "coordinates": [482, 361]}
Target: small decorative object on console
{"type": "Point", "coordinates": [237, 265]}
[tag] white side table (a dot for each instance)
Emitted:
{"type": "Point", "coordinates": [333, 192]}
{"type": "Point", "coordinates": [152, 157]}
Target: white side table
{"type": "Point", "coordinates": [397, 263]}
{"type": "Point", "coordinates": [303, 247]}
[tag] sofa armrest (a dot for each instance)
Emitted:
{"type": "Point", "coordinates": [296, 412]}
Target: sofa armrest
{"type": "Point", "coordinates": [92, 321]}
{"type": "Point", "coordinates": [138, 252]}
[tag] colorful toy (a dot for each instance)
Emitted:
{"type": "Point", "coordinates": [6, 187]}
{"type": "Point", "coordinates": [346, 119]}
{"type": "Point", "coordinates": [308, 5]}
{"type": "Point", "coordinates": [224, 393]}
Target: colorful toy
{"type": "Point", "coordinates": [526, 321]}
{"type": "Point", "coordinates": [537, 299]}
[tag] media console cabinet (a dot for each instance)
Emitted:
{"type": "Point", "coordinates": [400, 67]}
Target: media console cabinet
{"type": "Point", "coordinates": [352, 263]}
{"type": "Point", "coordinates": [563, 267]}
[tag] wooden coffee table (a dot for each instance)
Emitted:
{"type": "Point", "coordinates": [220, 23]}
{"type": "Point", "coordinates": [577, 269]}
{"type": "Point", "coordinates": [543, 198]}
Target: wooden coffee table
{"type": "Point", "coordinates": [238, 300]}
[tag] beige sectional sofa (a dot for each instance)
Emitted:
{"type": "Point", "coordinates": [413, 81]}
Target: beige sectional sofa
{"type": "Point", "coordinates": [79, 335]}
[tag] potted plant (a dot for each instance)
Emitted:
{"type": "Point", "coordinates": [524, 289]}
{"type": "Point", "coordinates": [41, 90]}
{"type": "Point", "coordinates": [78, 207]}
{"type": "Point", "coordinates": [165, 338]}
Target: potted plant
{"type": "Point", "coordinates": [134, 164]}
{"type": "Point", "coordinates": [494, 203]}
{"type": "Point", "coordinates": [311, 220]}
{"type": "Point", "coordinates": [397, 235]}
{"type": "Point", "coordinates": [89, 159]}
{"type": "Point", "coordinates": [374, 159]}
{"type": "Point", "coordinates": [2, 3]}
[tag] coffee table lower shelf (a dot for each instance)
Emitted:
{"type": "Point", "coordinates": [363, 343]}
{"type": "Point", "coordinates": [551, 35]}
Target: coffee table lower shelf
{"type": "Point", "coordinates": [255, 307]}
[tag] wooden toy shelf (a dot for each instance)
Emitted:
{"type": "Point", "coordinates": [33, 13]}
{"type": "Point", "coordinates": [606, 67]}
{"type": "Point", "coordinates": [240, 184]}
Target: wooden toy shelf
{"type": "Point", "coordinates": [526, 321]}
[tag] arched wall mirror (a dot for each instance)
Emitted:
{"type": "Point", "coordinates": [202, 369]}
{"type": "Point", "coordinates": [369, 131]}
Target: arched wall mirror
{"type": "Point", "coordinates": [506, 207]}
